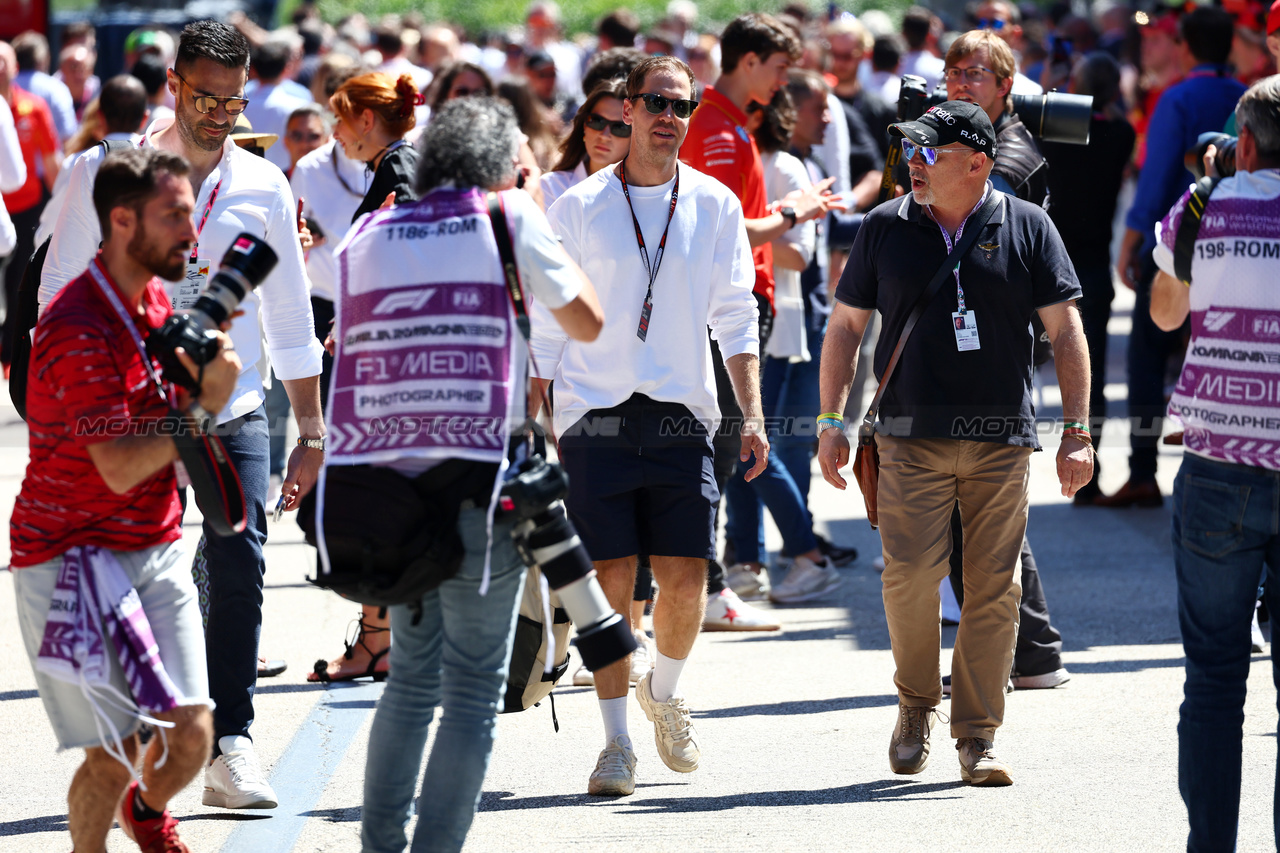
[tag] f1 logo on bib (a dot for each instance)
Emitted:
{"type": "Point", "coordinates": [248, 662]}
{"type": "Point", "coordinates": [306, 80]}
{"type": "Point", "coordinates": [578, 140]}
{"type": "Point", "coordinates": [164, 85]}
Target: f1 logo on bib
{"type": "Point", "coordinates": [411, 300]}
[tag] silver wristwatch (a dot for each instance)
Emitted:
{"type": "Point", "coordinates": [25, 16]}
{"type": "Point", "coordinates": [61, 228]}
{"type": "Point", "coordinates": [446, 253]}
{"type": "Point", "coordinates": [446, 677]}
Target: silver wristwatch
{"type": "Point", "coordinates": [203, 417]}
{"type": "Point", "coordinates": [313, 443]}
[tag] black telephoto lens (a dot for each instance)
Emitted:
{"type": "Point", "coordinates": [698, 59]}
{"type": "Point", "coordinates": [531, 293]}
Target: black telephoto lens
{"type": "Point", "coordinates": [1055, 117]}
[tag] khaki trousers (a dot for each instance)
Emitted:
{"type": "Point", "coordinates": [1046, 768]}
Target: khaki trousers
{"type": "Point", "coordinates": [921, 481]}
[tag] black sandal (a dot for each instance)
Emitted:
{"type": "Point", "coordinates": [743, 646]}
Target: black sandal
{"type": "Point", "coordinates": [321, 668]}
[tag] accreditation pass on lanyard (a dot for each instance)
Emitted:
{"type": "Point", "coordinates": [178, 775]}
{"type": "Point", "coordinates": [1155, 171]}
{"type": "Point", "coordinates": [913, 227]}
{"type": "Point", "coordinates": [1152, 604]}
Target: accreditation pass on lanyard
{"type": "Point", "coordinates": [642, 331]}
{"type": "Point", "coordinates": [185, 293]}
{"type": "Point", "coordinates": [963, 321]}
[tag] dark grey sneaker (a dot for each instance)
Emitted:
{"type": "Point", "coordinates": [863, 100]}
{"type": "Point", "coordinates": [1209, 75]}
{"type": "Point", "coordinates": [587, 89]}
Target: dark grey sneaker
{"type": "Point", "coordinates": [979, 765]}
{"type": "Point", "coordinates": [909, 747]}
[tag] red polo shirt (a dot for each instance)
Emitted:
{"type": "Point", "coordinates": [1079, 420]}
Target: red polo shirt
{"type": "Point", "coordinates": [719, 145]}
{"type": "Point", "coordinates": [88, 384]}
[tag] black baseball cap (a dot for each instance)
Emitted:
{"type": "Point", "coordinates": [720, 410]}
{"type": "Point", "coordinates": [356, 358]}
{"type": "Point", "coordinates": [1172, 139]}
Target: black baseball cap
{"type": "Point", "coordinates": [952, 121]}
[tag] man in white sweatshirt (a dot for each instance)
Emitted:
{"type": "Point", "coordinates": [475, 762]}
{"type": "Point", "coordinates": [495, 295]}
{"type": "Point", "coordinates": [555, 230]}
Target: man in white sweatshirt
{"type": "Point", "coordinates": [635, 409]}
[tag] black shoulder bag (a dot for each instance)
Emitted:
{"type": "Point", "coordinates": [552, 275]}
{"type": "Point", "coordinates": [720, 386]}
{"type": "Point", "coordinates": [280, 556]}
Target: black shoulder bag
{"type": "Point", "coordinates": [866, 462]}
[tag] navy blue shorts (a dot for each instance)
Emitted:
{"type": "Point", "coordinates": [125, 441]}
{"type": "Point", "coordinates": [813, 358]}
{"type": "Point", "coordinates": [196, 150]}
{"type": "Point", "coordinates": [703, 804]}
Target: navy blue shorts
{"type": "Point", "coordinates": [641, 481]}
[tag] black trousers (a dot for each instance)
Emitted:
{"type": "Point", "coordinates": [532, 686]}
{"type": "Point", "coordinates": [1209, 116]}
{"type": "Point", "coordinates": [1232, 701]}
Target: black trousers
{"type": "Point", "coordinates": [1039, 646]}
{"type": "Point", "coordinates": [25, 224]}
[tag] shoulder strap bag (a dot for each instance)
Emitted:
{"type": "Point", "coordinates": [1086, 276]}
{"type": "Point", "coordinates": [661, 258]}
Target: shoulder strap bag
{"type": "Point", "coordinates": [866, 461]}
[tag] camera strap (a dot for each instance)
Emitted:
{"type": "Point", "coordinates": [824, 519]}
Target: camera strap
{"type": "Point", "coordinates": [1184, 244]}
{"type": "Point", "coordinates": [100, 278]}
{"type": "Point", "coordinates": [214, 478]}
{"type": "Point", "coordinates": [511, 274]}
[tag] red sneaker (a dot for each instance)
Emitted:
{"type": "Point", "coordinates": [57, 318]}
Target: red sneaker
{"type": "Point", "coordinates": [158, 835]}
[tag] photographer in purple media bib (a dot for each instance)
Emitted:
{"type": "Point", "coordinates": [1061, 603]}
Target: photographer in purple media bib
{"type": "Point", "coordinates": [956, 424]}
{"type": "Point", "coordinates": [102, 411]}
{"type": "Point", "coordinates": [431, 277]}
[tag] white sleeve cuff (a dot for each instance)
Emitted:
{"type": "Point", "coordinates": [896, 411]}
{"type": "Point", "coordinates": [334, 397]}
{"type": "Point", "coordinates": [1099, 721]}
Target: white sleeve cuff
{"type": "Point", "coordinates": [297, 362]}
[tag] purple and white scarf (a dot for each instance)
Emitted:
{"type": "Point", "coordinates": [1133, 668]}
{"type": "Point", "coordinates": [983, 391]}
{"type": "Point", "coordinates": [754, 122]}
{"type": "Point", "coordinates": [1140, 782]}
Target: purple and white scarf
{"type": "Point", "coordinates": [93, 597]}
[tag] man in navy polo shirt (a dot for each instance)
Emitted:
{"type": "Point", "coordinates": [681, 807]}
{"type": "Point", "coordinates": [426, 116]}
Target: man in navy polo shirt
{"type": "Point", "coordinates": [956, 423]}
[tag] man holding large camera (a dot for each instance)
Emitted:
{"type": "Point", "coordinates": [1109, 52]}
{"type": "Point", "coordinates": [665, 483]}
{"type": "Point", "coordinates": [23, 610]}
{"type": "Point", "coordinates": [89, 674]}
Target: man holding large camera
{"type": "Point", "coordinates": [100, 496]}
{"type": "Point", "coordinates": [236, 192]}
{"type": "Point", "coordinates": [435, 268]}
{"type": "Point", "coordinates": [635, 409]}
{"type": "Point", "coordinates": [1226, 493]}
{"type": "Point", "coordinates": [980, 70]}
{"type": "Point", "coordinates": [956, 420]}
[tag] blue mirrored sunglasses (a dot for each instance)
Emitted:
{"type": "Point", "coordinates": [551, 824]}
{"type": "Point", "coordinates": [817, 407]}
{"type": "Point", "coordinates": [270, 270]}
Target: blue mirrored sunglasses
{"type": "Point", "coordinates": [930, 155]}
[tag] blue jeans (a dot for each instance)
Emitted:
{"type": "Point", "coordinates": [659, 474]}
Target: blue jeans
{"type": "Point", "coordinates": [1226, 528]}
{"type": "Point", "coordinates": [790, 400]}
{"type": "Point", "coordinates": [457, 657]}
{"type": "Point", "coordinates": [231, 569]}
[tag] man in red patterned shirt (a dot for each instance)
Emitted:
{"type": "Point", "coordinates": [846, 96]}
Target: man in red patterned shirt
{"type": "Point", "coordinates": [101, 474]}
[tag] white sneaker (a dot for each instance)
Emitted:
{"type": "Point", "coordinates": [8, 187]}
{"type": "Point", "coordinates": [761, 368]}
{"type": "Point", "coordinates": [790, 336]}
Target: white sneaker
{"type": "Point", "coordinates": [615, 773]}
{"type": "Point", "coordinates": [748, 583]}
{"type": "Point", "coordinates": [806, 581]}
{"type": "Point", "coordinates": [878, 563]}
{"type": "Point", "coordinates": [727, 612]}
{"type": "Point", "coordinates": [583, 677]}
{"type": "Point", "coordinates": [1258, 645]}
{"type": "Point", "coordinates": [672, 728]}
{"type": "Point", "coordinates": [642, 659]}
{"type": "Point", "coordinates": [235, 780]}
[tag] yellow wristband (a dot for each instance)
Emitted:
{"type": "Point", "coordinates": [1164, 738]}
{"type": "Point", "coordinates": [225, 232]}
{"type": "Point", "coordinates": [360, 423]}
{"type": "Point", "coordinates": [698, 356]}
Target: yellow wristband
{"type": "Point", "coordinates": [832, 415]}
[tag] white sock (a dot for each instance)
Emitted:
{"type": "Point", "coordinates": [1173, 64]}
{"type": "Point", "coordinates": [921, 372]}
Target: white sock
{"type": "Point", "coordinates": [666, 673]}
{"type": "Point", "coordinates": [614, 712]}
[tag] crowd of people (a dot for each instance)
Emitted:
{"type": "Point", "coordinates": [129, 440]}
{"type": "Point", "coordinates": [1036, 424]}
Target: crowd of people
{"type": "Point", "coordinates": [722, 277]}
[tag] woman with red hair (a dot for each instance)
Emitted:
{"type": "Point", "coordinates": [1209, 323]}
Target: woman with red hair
{"type": "Point", "coordinates": [374, 112]}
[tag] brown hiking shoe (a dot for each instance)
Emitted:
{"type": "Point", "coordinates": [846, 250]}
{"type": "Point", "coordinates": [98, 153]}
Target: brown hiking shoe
{"type": "Point", "coordinates": [979, 765]}
{"type": "Point", "coordinates": [909, 747]}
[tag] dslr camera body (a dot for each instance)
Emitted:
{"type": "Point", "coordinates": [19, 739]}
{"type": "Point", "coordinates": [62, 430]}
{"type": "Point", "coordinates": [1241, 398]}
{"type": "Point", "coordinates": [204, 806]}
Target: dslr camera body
{"type": "Point", "coordinates": [545, 538]}
{"type": "Point", "coordinates": [1224, 160]}
{"type": "Point", "coordinates": [244, 266]}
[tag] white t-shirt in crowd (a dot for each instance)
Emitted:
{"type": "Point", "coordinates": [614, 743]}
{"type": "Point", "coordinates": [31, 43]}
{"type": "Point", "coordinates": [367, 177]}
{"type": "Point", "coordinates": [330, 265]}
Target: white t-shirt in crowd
{"type": "Point", "coordinates": [1024, 85]}
{"type": "Point", "coordinates": [924, 64]}
{"type": "Point", "coordinates": [13, 169]}
{"type": "Point", "coordinates": [554, 184]}
{"type": "Point", "coordinates": [704, 281]}
{"type": "Point", "coordinates": [834, 152]}
{"type": "Point", "coordinates": [784, 174]}
{"type": "Point", "coordinates": [268, 111]}
{"type": "Point", "coordinates": [49, 216]}
{"type": "Point", "coordinates": [254, 197]}
{"type": "Point", "coordinates": [331, 185]}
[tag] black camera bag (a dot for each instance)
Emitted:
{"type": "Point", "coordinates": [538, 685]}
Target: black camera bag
{"type": "Point", "coordinates": [392, 538]}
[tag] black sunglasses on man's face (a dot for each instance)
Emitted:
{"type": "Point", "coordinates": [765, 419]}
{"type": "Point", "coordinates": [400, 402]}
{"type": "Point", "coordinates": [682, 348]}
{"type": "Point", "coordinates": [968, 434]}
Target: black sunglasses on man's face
{"type": "Point", "coordinates": [657, 104]}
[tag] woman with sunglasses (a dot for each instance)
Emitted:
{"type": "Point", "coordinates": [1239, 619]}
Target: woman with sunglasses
{"type": "Point", "coordinates": [598, 138]}
{"type": "Point", "coordinates": [374, 113]}
{"type": "Point", "coordinates": [459, 80]}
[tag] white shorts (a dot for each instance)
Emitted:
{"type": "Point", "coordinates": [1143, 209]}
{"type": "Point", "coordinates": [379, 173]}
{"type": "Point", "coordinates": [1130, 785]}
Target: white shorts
{"type": "Point", "coordinates": [162, 577]}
